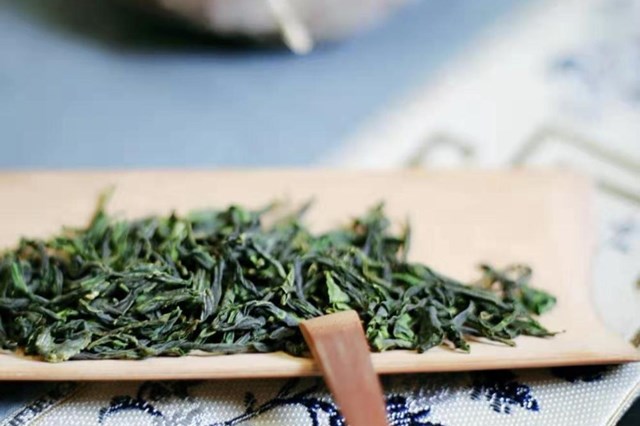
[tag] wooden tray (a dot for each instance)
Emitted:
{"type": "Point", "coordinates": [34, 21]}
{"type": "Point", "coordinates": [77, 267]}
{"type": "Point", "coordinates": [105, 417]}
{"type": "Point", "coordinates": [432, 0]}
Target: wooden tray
{"type": "Point", "coordinates": [459, 219]}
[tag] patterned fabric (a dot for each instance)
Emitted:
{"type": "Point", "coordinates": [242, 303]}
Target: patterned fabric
{"type": "Point", "coordinates": [560, 396]}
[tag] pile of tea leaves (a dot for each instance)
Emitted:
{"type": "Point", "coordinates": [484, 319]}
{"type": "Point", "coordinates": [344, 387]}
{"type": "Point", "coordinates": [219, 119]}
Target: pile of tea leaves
{"type": "Point", "coordinates": [224, 282]}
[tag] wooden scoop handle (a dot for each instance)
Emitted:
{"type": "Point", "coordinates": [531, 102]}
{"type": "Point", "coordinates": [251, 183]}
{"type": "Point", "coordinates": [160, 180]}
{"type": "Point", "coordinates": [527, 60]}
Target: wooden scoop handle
{"type": "Point", "coordinates": [339, 346]}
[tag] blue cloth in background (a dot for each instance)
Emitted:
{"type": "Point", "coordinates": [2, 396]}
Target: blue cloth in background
{"type": "Point", "coordinates": [84, 84]}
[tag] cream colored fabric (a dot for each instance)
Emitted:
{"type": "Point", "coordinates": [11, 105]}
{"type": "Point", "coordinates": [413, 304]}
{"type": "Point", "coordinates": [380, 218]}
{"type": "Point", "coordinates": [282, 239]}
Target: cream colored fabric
{"type": "Point", "coordinates": [566, 396]}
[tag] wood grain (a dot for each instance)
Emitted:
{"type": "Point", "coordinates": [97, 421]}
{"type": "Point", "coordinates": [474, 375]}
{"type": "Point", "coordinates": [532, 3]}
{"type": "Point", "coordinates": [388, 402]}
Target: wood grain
{"type": "Point", "coordinates": [341, 350]}
{"type": "Point", "coordinates": [459, 219]}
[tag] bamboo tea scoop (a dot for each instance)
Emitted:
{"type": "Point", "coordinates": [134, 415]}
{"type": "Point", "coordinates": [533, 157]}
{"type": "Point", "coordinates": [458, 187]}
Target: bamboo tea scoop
{"type": "Point", "coordinates": [339, 346]}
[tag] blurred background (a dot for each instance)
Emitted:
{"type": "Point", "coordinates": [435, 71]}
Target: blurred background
{"type": "Point", "coordinates": [363, 83]}
{"type": "Point", "coordinates": [103, 83]}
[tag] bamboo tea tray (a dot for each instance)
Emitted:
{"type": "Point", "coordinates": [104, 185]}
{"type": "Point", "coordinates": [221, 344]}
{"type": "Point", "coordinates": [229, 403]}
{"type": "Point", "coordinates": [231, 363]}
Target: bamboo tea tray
{"type": "Point", "coordinates": [459, 220]}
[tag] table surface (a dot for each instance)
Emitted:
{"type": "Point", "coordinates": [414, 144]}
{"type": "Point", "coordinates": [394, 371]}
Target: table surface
{"type": "Point", "coordinates": [85, 84]}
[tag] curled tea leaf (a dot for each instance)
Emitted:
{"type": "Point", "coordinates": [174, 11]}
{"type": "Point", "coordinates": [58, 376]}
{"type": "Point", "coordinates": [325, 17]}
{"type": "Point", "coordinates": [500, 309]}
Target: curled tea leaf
{"type": "Point", "coordinates": [224, 282]}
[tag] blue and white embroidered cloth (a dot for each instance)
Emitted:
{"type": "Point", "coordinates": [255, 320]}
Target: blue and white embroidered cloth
{"type": "Point", "coordinates": [560, 396]}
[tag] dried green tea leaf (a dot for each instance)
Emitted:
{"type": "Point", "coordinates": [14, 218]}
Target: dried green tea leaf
{"type": "Point", "coordinates": [223, 282]}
